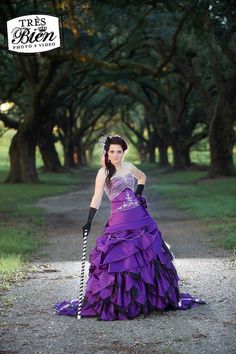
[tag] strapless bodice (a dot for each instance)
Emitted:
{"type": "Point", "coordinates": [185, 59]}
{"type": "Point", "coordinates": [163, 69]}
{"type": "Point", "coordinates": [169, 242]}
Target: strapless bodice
{"type": "Point", "coordinates": [118, 184]}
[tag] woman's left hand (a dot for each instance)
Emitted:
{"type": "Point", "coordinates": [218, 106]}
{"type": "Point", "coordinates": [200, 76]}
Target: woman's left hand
{"type": "Point", "coordinates": [143, 201]}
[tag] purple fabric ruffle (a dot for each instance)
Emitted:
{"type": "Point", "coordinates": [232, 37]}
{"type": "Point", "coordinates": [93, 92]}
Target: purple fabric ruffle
{"type": "Point", "coordinates": [131, 270]}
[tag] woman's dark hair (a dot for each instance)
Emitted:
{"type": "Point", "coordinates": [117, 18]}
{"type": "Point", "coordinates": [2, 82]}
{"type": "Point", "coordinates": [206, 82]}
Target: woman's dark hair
{"type": "Point", "coordinates": [107, 141]}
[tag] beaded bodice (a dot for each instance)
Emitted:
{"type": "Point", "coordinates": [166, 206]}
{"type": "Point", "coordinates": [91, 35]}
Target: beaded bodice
{"type": "Point", "coordinates": [118, 184]}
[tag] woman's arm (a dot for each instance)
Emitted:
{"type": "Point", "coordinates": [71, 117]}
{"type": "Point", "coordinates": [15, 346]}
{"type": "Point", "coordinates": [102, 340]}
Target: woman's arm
{"type": "Point", "coordinates": [141, 177]}
{"type": "Point", "coordinates": [99, 189]}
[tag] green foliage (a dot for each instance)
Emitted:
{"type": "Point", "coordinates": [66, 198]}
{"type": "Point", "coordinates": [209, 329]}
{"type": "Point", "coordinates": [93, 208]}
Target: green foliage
{"type": "Point", "coordinates": [230, 241]}
{"type": "Point", "coordinates": [212, 200]}
{"type": "Point", "coordinates": [17, 241]}
{"type": "Point", "coordinates": [17, 198]}
{"type": "Point", "coordinates": [225, 227]}
{"type": "Point", "coordinates": [204, 198]}
{"type": "Point", "coordinates": [10, 269]}
{"type": "Point", "coordinates": [19, 238]}
{"type": "Point", "coordinates": [132, 39]}
{"type": "Point", "coordinates": [22, 224]}
{"type": "Point", "coordinates": [5, 140]}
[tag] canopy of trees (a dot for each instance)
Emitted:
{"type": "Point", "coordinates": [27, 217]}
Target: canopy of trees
{"type": "Point", "coordinates": [163, 72]}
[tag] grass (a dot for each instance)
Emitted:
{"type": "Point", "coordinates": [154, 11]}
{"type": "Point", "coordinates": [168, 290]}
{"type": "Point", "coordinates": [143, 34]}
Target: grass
{"type": "Point", "coordinates": [18, 241]}
{"type": "Point", "coordinates": [21, 232]}
{"type": "Point", "coordinates": [15, 197]}
{"type": "Point", "coordinates": [21, 223]}
{"type": "Point", "coordinates": [209, 199]}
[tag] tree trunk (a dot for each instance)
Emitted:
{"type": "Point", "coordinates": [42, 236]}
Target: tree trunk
{"type": "Point", "coordinates": [163, 153]}
{"type": "Point", "coordinates": [48, 152]}
{"type": "Point", "coordinates": [152, 155]}
{"type": "Point", "coordinates": [152, 147]}
{"type": "Point", "coordinates": [22, 156]}
{"type": "Point", "coordinates": [186, 156]}
{"type": "Point", "coordinates": [221, 140]}
{"type": "Point", "coordinates": [69, 161]}
{"type": "Point", "coordinates": [178, 159]}
{"type": "Point", "coordinates": [82, 160]}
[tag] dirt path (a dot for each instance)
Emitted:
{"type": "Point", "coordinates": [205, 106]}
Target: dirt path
{"type": "Point", "coordinates": [30, 325]}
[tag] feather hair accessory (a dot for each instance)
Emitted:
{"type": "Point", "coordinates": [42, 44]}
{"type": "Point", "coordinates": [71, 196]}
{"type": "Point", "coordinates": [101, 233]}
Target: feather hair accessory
{"type": "Point", "coordinates": [103, 140]}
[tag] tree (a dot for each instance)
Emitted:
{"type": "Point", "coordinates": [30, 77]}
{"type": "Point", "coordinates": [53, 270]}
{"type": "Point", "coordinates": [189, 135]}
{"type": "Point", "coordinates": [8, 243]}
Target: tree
{"type": "Point", "coordinates": [217, 94]}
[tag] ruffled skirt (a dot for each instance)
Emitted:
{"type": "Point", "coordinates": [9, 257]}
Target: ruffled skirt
{"type": "Point", "coordinates": [131, 272]}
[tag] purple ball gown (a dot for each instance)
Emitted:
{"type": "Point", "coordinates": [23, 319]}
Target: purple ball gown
{"type": "Point", "coordinates": [131, 270]}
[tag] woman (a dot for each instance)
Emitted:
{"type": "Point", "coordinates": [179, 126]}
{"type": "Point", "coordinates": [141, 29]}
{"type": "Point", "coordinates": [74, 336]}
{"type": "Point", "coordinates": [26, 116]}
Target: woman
{"type": "Point", "coordinates": [131, 270]}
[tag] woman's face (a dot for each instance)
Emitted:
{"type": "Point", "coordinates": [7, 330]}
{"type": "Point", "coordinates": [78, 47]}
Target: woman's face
{"type": "Point", "coordinates": [115, 154]}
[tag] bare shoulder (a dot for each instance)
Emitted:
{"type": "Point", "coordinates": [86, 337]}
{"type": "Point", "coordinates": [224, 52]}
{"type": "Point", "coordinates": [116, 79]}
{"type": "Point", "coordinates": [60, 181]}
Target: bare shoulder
{"type": "Point", "coordinates": [101, 174]}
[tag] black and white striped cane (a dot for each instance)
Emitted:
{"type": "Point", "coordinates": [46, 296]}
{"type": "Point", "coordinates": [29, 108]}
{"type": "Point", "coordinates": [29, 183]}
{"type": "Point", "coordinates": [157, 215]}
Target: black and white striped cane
{"type": "Point", "coordinates": [81, 290]}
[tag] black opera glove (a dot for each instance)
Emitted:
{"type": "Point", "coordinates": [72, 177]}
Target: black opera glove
{"type": "Point", "coordinates": [139, 189]}
{"type": "Point", "coordinates": [142, 201]}
{"type": "Point", "coordinates": [138, 193]}
{"type": "Point", "coordinates": [87, 227]}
